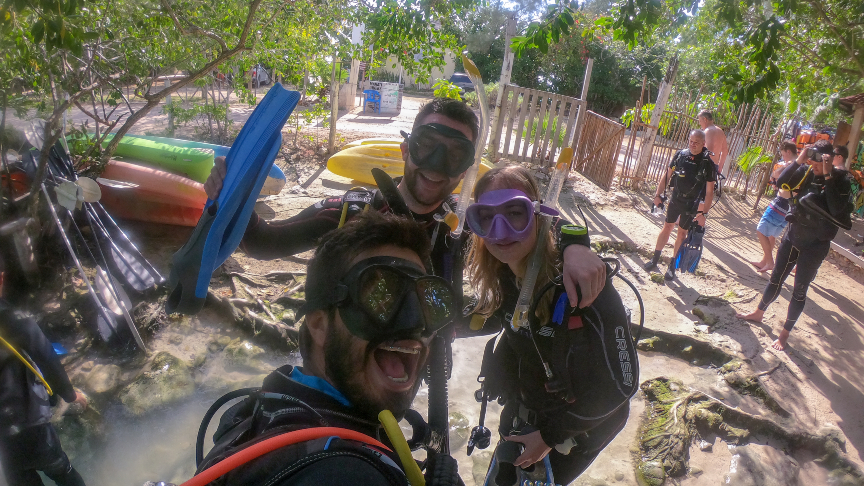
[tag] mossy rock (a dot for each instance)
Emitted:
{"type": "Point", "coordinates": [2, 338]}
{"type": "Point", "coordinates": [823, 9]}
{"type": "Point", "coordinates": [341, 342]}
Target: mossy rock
{"type": "Point", "coordinates": [648, 344]}
{"type": "Point", "coordinates": [169, 380]}
{"type": "Point", "coordinates": [657, 278]}
{"type": "Point", "coordinates": [103, 378]}
{"type": "Point", "coordinates": [650, 474]}
{"type": "Point", "coordinates": [242, 354]}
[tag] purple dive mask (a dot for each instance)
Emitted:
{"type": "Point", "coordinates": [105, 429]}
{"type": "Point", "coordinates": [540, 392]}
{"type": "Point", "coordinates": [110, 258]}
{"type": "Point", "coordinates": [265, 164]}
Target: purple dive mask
{"type": "Point", "coordinates": [504, 216]}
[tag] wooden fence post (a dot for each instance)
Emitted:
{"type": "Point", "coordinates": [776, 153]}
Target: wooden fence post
{"type": "Point", "coordinates": [334, 106]}
{"type": "Point", "coordinates": [504, 80]}
{"type": "Point", "coordinates": [647, 145]}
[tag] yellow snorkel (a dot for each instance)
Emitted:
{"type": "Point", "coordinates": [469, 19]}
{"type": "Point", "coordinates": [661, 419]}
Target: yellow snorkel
{"type": "Point", "coordinates": [397, 439]}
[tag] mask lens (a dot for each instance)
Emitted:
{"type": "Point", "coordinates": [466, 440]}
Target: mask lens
{"type": "Point", "coordinates": [516, 214]}
{"type": "Point", "coordinates": [430, 148]}
{"type": "Point", "coordinates": [380, 293]}
{"type": "Point", "coordinates": [436, 300]}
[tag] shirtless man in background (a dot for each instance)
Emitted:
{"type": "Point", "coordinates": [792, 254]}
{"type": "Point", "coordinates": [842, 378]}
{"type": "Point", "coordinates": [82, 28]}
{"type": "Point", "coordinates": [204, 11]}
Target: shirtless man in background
{"type": "Point", "coordinates": [715, 139]}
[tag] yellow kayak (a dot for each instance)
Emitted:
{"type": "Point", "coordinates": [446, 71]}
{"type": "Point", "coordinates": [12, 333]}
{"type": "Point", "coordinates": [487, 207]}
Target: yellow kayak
{"type": "Point", "coordinates": [357, 162]}
{"type": "Point", "coordinates": [370, 141]}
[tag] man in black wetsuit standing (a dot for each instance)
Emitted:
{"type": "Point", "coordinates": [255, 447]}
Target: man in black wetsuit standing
{"type": "Point", "coordinates": [435, 162]}
{"type": "Point", "coordinates": [693, 174]}
{"type": "Point", "coordinates": [28, 441]}
{"type": "Point", "coordinates": [808, 238]}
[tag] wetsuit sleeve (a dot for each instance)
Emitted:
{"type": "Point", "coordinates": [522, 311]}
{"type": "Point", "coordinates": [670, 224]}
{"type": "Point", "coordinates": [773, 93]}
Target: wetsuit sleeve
{"type": "Point", "coordinates": [265, 240]}
{"type": "Point", "coordinates": [788, 175]}
{"type": "Point", "coordinates": [838, 190]}
{"type": "Point", "coordinates": [24, 334]}
{"type": "Point", "coordinates": [565, 240]}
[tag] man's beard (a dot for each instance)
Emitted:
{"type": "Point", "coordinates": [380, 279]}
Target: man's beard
{"type": "Point", "coordinates": [343, 368]}
{"type": "Point", "coordinates": [411, 176]}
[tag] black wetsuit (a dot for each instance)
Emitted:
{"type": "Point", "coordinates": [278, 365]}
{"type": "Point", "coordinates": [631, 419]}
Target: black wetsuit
{"type": "Point", "coordinates": [303, 464]}
{"type": "Point", "coordinates": [808, 237]}
{"type": "Point", "coordinates": [28, 442]}
{"type": "Point", "coordinates": [691, 174]}
{"type": "Point", "coordinates": [596, 411]}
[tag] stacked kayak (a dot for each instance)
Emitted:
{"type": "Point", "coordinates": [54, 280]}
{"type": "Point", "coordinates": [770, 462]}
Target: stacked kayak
{"type": "Point", "coordinates": [191, 162]}
{"type": "Point", "coordinates": [272, 186]}
{"type": "Point", "coordinates": [159, 180]}
{"type": "Point", "coordinates": [142, 193]}
{"type": "Point", "coordinates": [360, 157]}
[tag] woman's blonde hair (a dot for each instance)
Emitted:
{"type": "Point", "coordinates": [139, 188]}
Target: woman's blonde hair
{"type": "Point", "coordinates": [485, 270]}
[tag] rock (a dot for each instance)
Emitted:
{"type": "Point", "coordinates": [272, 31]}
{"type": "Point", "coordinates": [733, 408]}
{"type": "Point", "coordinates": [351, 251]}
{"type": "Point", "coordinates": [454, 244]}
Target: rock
{"type": "Point", "coordinates": [87, 365]}
{"type": "Point", "coordinates": [759, 465]}
{"type": "Point", "coordinates": [650, 474]}
{"type": "Point", "coordinates": [833, 433]}
{"type": "Point", "coordinates": [168, 381]}
{"type": "Point", "coordinates": [103, 378]}
{"type": "Point", "coordinates": [480, 465]}
{"type": "Point", "coordinates": [242, 354]}
{"type": "Point", "coordinates": [619, 476]}
{"type": "Point", "coordinates": [289, 317]}
{"type": "Point", "coordinates": [175, 339]}
{"type": "Point", "coordinates": [460, 430]}
{"type": "Point", "coordinates": [695, 470]}
{"type": "Point", "coordinates": [705, 446]}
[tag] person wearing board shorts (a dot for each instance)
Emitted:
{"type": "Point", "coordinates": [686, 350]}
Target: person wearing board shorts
{"type": "Point", "coordinates": [773, 221]}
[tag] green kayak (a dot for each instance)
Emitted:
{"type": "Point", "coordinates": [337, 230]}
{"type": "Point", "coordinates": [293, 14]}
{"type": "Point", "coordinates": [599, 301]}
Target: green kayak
{"type": "Point", "coordinates": [192, 162]}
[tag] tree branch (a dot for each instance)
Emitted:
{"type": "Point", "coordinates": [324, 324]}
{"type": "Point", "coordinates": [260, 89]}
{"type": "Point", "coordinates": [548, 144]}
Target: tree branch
{"type": "Point", "coordinates": [154, 99]}
{"type": "Point", "coordinates": [193, 29]}
{"type": "Point", "coordinates": [851, 52]}
{"type": "Point", "coordinates": [825, 62]}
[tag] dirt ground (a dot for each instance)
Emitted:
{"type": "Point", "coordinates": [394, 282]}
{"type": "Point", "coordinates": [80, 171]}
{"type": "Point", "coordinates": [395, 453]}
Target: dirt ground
{"type": "Point", "coordinates": [817, 379]}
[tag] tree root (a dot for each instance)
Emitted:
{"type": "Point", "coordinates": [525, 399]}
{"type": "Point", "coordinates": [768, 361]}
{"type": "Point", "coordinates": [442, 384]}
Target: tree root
{"type": "Point", "coordinates": [276, 335]}
{"type": "Point", "coordinates": [682, 414]}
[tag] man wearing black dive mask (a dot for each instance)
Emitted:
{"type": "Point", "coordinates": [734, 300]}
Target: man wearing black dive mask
{"type": "Point", "coordinates": [371, 311]}
{"type": "Point", "coordinates": [437, 152]}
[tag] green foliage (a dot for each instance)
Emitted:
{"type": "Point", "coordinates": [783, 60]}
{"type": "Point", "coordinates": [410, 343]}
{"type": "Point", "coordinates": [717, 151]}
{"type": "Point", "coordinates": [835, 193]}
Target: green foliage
{"type": "Point", "coordinates": [628, 117]}
{"type": "Point", "coordinates": [752, 158]}
{"type": "Point", "coordinates": [445, 89]}
{"type": "Point", "coordinates": [491, 96]}
{"type": "Point", "coordinates": [543, 124]}
{"type": "Point", "coordinates": [554, 25]}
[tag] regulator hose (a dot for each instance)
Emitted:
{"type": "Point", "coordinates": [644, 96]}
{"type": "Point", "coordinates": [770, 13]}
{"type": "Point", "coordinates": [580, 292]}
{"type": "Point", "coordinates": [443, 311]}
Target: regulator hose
{"type": "Point", "coordinates": [205, 422]}
{"type": "Point", "coordinates": [439, 422]}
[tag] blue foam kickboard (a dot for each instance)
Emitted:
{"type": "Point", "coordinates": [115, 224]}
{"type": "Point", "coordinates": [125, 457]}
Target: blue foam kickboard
{"type": "Point", "coordinates": [224, 221]}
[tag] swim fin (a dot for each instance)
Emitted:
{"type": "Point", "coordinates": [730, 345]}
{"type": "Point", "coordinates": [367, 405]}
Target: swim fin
{"type": "Point", "coordinates": [224, 221]}
{"type": "Point", "coordinates": [690, 252]}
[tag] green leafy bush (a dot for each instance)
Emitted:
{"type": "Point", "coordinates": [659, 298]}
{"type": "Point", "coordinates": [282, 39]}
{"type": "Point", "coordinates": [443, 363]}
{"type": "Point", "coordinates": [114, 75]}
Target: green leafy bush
{"type": "Point", "coordinates": [445, 89]}
{"type": "Point", "coordinates": [751, 158]}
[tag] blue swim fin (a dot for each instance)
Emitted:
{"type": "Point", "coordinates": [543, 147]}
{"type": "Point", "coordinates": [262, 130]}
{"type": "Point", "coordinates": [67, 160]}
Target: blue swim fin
{"type": "Point", "coordinates": [224, 221]}
{"type": "Point", "coordinates": [691, 250]}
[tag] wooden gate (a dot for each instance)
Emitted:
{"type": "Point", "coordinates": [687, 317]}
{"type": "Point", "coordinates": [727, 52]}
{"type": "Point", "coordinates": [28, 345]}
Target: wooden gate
{"type": "Point", "coordinates": [533, 125]}
{"type": "Point", "coordinates": [597, 153]}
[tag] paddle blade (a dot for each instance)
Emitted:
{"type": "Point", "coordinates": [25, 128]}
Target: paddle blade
{"type": "Point", "coordinates": [103, 287]}
{"type": "Point", "coordinates": [132, 271]}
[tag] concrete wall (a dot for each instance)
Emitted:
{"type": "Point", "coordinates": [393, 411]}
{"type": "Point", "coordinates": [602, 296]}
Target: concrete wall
{"type": "Point", "coordinates": [449, 69]}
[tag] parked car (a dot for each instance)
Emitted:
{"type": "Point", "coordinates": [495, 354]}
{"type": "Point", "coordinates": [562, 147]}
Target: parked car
{"type": "Point", "coordinates": [260, 76]}
{"type": "Point", "coordinates": [463, 81]}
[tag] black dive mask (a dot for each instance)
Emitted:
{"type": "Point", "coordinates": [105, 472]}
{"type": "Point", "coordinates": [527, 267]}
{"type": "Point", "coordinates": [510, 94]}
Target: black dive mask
{"type": "Point", "coordinates": [382, 298]}
{"type": "Point", "coordinates": [440, 148]}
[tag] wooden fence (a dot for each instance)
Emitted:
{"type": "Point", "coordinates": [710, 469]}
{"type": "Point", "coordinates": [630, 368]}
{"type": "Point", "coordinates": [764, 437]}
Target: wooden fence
{"type": "Point", "coordinates": [673, 133]}
{"type": "Point", "coordinates": [533, 125]}
{"type": "Point", "coordinates": [597, 153]}
{"type": "Point", "coordinates": [750, 128]}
